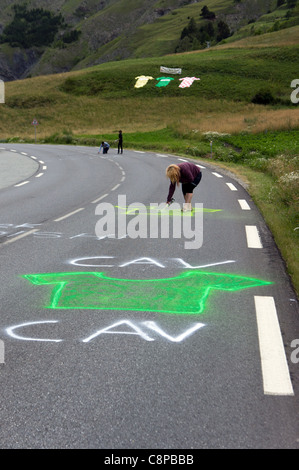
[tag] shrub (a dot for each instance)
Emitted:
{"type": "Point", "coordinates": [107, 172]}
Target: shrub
{"type": "Point", "coordinates": [263, 97]}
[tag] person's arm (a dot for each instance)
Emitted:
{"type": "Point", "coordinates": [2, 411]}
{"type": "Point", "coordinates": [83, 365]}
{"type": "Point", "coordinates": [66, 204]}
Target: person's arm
{"type": "Point", "coordinates": [170, 192]}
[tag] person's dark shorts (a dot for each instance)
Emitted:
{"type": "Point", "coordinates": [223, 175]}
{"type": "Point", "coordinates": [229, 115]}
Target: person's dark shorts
{"type": "Point", "coordinates": [188, 187]}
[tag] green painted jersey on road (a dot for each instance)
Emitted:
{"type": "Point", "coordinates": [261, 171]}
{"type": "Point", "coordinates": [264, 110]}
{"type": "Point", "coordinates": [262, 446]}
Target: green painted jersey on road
{"type": "Point", "coordinates": [183, 294]}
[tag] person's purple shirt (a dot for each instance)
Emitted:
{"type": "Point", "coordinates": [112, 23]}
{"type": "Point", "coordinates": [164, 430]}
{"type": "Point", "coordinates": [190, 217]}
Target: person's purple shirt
{"type": "Point", "coordinates": [189, 172]}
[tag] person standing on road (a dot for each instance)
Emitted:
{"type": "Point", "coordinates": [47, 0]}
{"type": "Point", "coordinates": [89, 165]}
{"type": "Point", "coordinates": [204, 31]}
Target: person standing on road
{"type": "Point", "coordinates": [105, 146]}
{"type": "Point", "coordinates": [189, 175]}
{"type": "Point", "coordinates": [120, 142]}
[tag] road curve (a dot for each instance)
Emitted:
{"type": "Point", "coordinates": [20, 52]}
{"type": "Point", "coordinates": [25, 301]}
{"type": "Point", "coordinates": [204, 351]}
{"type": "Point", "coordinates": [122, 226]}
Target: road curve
{"type": "Point", "coordinates": [122, 342]}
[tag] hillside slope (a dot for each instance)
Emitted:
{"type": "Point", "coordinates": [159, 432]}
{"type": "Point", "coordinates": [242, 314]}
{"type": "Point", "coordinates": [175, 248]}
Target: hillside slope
{"type": "Point", "coordinates": [121, 29]}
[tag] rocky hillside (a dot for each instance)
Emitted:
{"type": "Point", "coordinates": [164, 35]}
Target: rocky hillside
{"type": "Point", "coordinates": [97, 31]}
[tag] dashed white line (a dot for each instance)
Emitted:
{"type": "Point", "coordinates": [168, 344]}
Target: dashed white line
{"type": "Point", "coordinates": [161, 155]}
{"type": "Point", "coordinates": [69, 215]}
{"type": "Point", "coordinates": [253, 237]}
{"type": "Point", "coordinates": [24, 153]}
{"type": "Point", "coordinates": [123, 179]}
{"type": "Point", "coordinates": [182, 160]}
{"type": "Point", "coordinates": [115, 187]}
{"type": "Point", "coordinates": [232, 187]}
{"type": "Point", "coordinates": [20, 236]}
{"type": "Point", "coordinates": [99, 199]}
{"type": "Point", "coordinates": [44, 167]}
{"type": "Point", "coordinates": [217, 174]}
{"type": "Point", "coordinates": [138, 151]}
{"type": "Point", "coordinates": [21, 184]}
{"type": "Point", "coordinates": [276, 376]}
{"type": "Point", "coordinates": [1, 351]}
{"type": "Point", "coordinates": [40, 161]}
{"type": "Point", "coordinates": [200, 166]}
{"type": "Point", "coordinates": [244, 205]}
{"type": "Point", "coordinates": [39, 175]}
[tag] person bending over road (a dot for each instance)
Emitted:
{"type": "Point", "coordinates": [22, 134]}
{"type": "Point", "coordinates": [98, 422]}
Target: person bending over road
{"type": "Point", "coordinates": [189, 175]}
{"type": "Point", "coordinates": [105, 146]}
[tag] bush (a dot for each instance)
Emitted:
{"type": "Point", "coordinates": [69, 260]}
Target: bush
{"type": "Point", "coordinates": [263, 97]}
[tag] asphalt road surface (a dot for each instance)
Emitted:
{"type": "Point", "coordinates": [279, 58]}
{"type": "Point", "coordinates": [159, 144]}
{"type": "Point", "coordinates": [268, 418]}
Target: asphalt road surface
{"type": "Point", "coordinates": [115, 334]}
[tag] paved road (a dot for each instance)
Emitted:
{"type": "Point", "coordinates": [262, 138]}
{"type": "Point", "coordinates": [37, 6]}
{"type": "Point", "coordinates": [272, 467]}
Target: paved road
{"type": "Point", "coordinates": [116, 342]}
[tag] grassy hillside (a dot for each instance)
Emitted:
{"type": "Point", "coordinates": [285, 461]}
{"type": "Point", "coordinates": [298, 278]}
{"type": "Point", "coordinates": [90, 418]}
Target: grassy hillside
{"type": "Point", "coordinates": [229, 80]}
{"type": "Point", "coordinates": [122, 29]}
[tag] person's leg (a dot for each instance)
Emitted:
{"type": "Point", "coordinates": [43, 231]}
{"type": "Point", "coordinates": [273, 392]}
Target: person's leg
{"type": "Point", "coordinates": [188, 199]}
{"type": "Point", "coordinates": [188, 194]}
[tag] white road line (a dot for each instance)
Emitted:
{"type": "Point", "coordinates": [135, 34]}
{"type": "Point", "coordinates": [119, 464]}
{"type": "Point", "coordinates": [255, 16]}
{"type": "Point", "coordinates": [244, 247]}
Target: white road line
{"type": "Point", "coordinates": [12, 150]}
{"type": "Point", "coordinates": [200, 166]}
{"type": "Point", "coordinates": [253, 237]}
{"type": "Point", "coordinates": [182, 160]}
{"type": "Point", "coordinates": [24, 153]}
{"type": "Point", "coordinates": [115, 187]}
{"type": "Point", "coordinates": [231, 187]}
{"type": "Point", "coordinates": [276, 376]}
{"type": "Point", "coordinates": [21, 184]}
{"type": "Point", "coordinates": [39, 175]}
{"type": "Point", "coordinates": [161, 155]}
{"type": "Point", "coordinates": [138, 151]}
{"type": "Point", "coordinates": [1, 351]}
{"type": "Point", "coordinates": [99, 199]}
{"type": "Point", "coordinates": [44, 167]}
{"type": "Point", "coordinates": [123, 179]}
{"type": "Point", "coordinates": [35, 158]}
{"type": "Point", "coordinates": [217, 174]}
{"type": "Point", "coordinates": [20, 236]}
{"type": "Point", "coordinates": [69, 215]}
{"type": "Point", "coordinates": [244, 205]}
{"type": "Point", "coordinates": [40, 161]}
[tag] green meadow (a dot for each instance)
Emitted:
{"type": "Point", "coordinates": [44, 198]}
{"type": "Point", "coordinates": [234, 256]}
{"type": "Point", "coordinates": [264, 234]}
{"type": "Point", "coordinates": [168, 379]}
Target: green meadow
{"type": "Point", "coordinates": [241, 104]}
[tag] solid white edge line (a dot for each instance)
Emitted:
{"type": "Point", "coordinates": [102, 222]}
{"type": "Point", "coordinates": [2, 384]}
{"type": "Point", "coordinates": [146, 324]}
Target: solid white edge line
{"type": "Point", "coordinates": [20, 236]}
{"type": "Point", "coordinates": [244, 205]}
{"type": "Point", "coordinates": [275, 370]}
{"type": "Point", "coordinates": [253, 237]}
{"type": "Point", "coordinates": [68, 215]}
{"type": "Point", "coordinates": [232, 187]}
